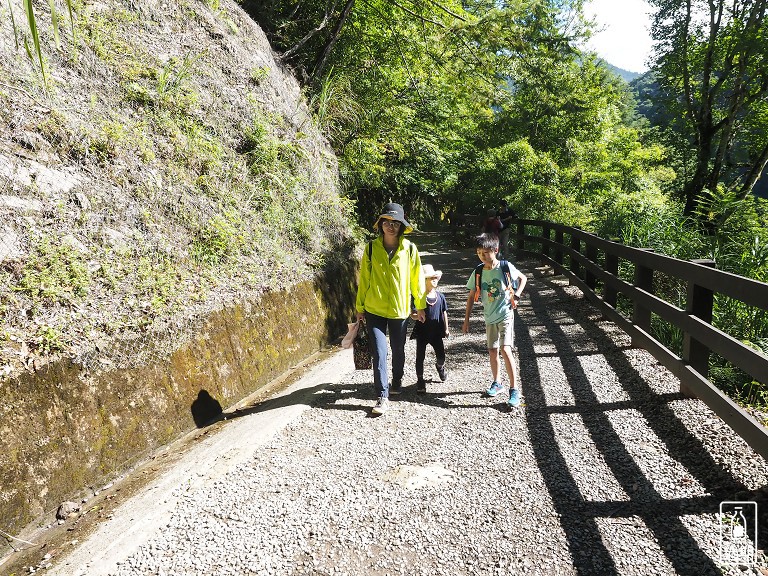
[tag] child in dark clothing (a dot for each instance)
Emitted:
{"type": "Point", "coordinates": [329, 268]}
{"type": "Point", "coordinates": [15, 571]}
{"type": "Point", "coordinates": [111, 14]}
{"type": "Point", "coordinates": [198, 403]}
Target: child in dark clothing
{"type": "Point", "coordinates": [432, 330]}
{"type": "Point", "coordinates": [492, 224]}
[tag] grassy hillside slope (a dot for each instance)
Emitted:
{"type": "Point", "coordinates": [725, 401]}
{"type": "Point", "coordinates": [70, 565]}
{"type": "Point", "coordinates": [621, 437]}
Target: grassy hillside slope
{"type": "Point", "coordinates": [172, 238]}
{"type": "Point", "coordinates": [169, 168]}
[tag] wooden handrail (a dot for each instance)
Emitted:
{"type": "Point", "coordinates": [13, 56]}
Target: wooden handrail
{"type": "Point", "coordinates": [700, 339]}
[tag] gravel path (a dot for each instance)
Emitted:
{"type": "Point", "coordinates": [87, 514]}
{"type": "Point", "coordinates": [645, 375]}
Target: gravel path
{"type": "Point", "coordinates": [605, 469]}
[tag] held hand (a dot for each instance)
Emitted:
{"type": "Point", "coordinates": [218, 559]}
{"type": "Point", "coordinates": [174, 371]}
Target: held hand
{"type": "Point", "coordinates": [360, 316]}
{"type": "Point", "coordinates": [421, 316]}
{"type": "Point", "coordinates": [414, 316]}
{"type": "Point", "coordinates": [465, 327]}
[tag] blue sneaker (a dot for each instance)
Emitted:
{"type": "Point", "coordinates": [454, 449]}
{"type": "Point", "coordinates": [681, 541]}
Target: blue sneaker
{"type": "Point", "coordinates": [514, 398]}
{"type": "Point", "coordinates": [494, 389]}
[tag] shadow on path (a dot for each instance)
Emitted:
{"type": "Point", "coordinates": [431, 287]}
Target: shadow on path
{"type": "Point", "coordinates": [578, 517]}
{"type": "Point", "coordinates": [552, 313]}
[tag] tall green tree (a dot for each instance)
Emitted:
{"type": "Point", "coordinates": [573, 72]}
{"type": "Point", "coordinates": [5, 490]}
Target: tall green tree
{"type": "Point", "coordinates": [560, 144]}
{"type": "Point", "coordinates": [712, 71]}
{"type": "Point", "coordinates": [423, 74]}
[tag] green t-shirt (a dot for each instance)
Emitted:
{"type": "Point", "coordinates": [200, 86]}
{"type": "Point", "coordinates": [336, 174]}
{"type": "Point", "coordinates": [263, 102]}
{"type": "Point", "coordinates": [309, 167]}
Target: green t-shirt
{"type": "Point", "coordinates": [494, 297]}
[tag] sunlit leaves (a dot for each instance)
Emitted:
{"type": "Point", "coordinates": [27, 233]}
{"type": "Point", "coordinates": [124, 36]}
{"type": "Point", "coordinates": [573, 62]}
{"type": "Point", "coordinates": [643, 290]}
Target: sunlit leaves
{"type": "Point", "coordinates": [32, 23]}
{"type": "Point", "coordinates": [713, 84]}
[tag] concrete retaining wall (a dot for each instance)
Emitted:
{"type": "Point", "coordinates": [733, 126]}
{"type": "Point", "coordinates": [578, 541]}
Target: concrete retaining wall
{"type": "Point", "coordinates": [65, 431]}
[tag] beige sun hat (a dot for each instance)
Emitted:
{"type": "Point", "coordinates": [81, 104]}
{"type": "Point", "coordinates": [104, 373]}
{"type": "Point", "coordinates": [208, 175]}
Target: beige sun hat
{"type": "Point", "coordinates": [429, 272]}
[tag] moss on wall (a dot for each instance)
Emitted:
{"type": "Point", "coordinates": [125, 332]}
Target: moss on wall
{"type": "Point", "coordinates": [64, 430]}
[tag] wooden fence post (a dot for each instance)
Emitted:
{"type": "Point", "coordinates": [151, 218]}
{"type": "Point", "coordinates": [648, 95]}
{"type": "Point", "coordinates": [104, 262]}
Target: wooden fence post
{"type": "Point", "coordinates": [589, 278]}
{"type": "Point", "coordinates": [520, 233]}
{"type": "Point", "coordinates": [575, 265]}
{"type": "Point", "coordinates": [641, 316]}
{"type": "Point", "coordinates": [545, 233]}
{"type": "Point", "coordinates": [559, 251]}
{"type": "Point", "coordinates": [699, 303]}
{"type": "Point", "coordinates": [612, 267]}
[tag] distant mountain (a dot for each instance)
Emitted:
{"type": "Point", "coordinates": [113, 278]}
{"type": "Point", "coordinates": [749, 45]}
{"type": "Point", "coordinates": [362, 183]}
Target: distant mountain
{"type": "Point", "coordinates": [645, 89]}
{"type": "Point", "coordinates": [625, 74]}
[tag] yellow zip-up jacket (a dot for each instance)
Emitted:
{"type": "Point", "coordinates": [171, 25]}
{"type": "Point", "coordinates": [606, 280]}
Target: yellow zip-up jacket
{"type": "Point", "coordinates": [386, 285]}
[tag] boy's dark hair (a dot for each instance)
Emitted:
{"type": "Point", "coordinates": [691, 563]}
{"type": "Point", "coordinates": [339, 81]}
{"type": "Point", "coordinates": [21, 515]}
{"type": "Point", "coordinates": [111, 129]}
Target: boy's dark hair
{"type": "Point", "coordinates": [487, 241]}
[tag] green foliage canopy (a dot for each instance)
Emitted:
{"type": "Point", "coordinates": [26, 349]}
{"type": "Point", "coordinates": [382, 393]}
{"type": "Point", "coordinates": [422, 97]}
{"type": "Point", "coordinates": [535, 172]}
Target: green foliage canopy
{"type": "Point", "coordinates": [712, 73]}
{"type": "Point", "coordinates": [415, 92]}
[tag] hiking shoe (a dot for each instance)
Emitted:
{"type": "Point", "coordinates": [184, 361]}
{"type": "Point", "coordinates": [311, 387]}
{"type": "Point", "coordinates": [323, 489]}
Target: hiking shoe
{"type": "Point", "coordinates": [396, 388]}
{"type": "Point", "coordinates": [494, 389]}
{"type": "Point", "coordinates": [382, 405]}
{"type": "Point", "coordinates": [514, 398]}
{"type": "Point", "coordinates": [441, 372]}
{"type": "Point", "coordinates": [421, 386]}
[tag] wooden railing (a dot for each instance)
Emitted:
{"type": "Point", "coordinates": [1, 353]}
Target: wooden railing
{"type": "Point", "coordinates": [592, 263]}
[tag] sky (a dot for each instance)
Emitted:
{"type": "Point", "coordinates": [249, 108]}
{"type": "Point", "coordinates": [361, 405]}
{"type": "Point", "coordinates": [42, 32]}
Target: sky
{"type": "Point", "coordinates": [626, 40]}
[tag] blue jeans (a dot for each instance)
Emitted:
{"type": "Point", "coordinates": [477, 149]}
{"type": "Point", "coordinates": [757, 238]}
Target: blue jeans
{"type": "Point", "coordinates": [377, 327]}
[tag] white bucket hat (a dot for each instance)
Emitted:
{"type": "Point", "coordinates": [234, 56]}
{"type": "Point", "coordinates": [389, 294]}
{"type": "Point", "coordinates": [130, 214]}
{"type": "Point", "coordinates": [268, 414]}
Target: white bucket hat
{"type": "Point", "coordinates": [429, 272]}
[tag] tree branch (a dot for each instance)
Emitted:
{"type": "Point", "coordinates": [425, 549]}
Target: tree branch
{"type": "Point", "coordinates": [412, 13]}
{"type": "Point", "coordinates": [291, 51]}
{"type": "Point", "coordinates": [323, 58]}
{"type": "Point", "coordinates": [756, 170]}
{"type": "Point", "coordinates": [446, 10]}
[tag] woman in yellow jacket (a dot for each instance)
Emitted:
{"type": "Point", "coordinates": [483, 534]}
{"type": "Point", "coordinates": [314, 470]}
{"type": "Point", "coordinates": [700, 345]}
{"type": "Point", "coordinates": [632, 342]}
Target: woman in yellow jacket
{"type": "Point", "coordinates": [390, 274]}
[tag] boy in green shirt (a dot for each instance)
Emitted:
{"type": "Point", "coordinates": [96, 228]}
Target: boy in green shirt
{"type": "Point", "coordinates": [498, 284]}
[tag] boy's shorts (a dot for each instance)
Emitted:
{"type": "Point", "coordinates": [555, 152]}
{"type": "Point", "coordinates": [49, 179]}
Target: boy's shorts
{"type": "Point", "coordinates": [501, 333]}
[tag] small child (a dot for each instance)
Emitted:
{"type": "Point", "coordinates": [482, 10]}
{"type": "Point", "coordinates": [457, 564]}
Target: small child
{"type": "Point", "coordinates": [433, 329]}
{"type": "Point", "coordinates": [495, 287]}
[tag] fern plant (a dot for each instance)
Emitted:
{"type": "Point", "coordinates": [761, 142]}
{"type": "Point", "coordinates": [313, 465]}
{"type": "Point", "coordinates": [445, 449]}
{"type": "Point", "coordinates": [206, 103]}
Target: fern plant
{"type": "Point", "coordinates": [334, 107]}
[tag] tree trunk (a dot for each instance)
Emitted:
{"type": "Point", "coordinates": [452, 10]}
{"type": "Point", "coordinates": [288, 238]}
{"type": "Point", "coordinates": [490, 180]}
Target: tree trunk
{"type": "Point", "coordinates": [701, 175]}
{"type": "Point", "coordinates": [693, 189]}
{"type": "Point", "coordinates": [323, 58]}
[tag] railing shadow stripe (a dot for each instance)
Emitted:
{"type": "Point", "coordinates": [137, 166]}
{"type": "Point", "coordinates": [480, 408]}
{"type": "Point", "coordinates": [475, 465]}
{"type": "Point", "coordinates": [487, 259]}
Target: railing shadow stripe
{"type": "Point", "coordinates": [589, 552]}
{"type": "Point", "coordinates": [681, 444]}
